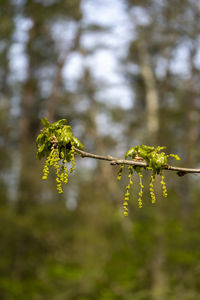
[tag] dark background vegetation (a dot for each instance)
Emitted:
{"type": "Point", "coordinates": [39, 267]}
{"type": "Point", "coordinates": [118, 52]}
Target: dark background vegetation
{"type": "Point", "coordinates": [122, 73]}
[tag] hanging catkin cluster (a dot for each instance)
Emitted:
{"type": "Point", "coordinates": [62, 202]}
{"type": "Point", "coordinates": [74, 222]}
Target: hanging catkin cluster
{"type": "Point", "coordinates": [57, 143]}
{"type": "Point", "coordinates": [156, 160]}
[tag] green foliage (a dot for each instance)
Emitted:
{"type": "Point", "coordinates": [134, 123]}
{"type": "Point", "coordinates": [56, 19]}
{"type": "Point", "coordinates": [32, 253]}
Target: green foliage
{"type": "Point", "coordinates": [57, 143]}
{"type": "Point", "coordinates": [156, 160]}
{"type": "Point", "coordinates": [153, 156]}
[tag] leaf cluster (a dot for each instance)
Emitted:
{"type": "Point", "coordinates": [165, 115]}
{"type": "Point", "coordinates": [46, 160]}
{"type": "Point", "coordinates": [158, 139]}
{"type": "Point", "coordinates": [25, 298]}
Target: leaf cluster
{"type": "Point", "coordinates": [155, 157]}
{"type": "Point", "coordinates": [60, 136]}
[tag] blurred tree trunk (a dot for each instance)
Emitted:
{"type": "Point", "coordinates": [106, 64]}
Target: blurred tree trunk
{"type": "Point", "coordinates": [191, 133]}
{"type": "Point", "coordinates": [159, 281]}
{"type": "Point", "coordinates": [104, 175]}
{"type": "Point", "coordinates": [152, 100]}
{"type": "Point", "coordinates": [56, 90]}
{"type": "Point", "coordinates": [7, 14]}
{"type": "Point", "coordinates": [28, 127]}
{"type": "Point", "coordinates": [192, 114]}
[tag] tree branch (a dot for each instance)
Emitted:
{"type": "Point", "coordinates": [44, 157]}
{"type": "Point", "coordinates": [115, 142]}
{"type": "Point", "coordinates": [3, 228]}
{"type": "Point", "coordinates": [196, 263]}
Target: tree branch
{"type": "Point", "coordinates": [137, 162]}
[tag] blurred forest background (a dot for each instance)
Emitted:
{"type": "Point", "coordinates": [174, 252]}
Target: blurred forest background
{"type": "Point", "coordinates": [123, 72]}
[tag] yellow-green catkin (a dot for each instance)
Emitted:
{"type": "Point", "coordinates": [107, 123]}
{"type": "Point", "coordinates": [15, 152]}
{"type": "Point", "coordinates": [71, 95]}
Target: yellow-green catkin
{"type": "Point", "coordinates": [126, 199]}
{"type": "Point", "coordinates": [49, 162]}
{"type": "Point", "coordinates": [130, 172]}
{"type": "Point", "coordinates": [151, 189]}
{"type": "Point", "coordinates": [119, 174]}
{"type": "Point", "coordinates": [72, 158]}
{"type": "Point", "coordinates": [46, 170]}
{"type": "Point", "coordinates": [164, 188]}
{"type": "Point", "coordinates": [141, 191]}
{"type": "Point", "coordinates": [61, 173]}
{"type": "Point", "coordinates": [57, 169]}
{"type": "Point", "coordinates": [127, 194]}
{"type": "Point", "coordinates": [65, 172]}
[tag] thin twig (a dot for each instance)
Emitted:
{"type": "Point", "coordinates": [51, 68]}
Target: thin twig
{"type": "Point", "coordinates": [141, 163]}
